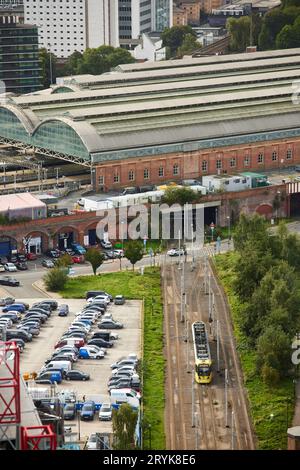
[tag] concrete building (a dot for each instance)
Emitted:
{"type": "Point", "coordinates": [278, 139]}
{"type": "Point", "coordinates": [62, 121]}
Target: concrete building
{"type": "Point", "coordinates": [67, 26]}
{"type": "Point", "coordinates": [157, 122]}
{"type": "Point", "coordinates": [220, 13]}
{"type": "Point", "coordinates": [180, 16]}
{"type": "Point", "coordinates": [209, 5]}
{"type": "Point", "coordinates": [192, 8]}
{"type": "Point", "coordinates": [150, 48]}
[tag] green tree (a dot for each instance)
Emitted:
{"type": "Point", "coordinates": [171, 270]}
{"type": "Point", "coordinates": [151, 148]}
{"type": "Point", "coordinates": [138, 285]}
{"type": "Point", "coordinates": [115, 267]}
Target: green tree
{"type": "Point", "coordinates": [64, 261]}
{"type": "Point", "coordinates": [124, 422]}
{"type": "Point", "coordinates": [95, 258]}
{"type": "Point", "coordinates": [134, 251]}
{"type": "Point", "coordinates": [173, 37]}
{"type": "Point", "coordinates": [274, 350]}
{"type": "Point", "coordinates": [55, 279]}
{"type": "Point", "coordinates": [71, 66]}
{"type": "Point", "coordinates": [239, 30]}
{"type": "Point", "coordinates": [44, 57]}
{"type": "Point", "coordinates": [289, 36]}
{"type": "Point", "coordinates": [272, 24]}
{"type": "Point", "coordinates": [253, 229]}
{"type": "Point", "coordinates": [102, 59]}
{"type": "Point", "coordinates": [189, 45]}
{"type": "Point", "coordinates": [180, 196]}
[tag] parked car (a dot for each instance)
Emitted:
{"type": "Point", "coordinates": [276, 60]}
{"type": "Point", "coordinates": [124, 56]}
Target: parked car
{"type": "Point", "coordinates": [18, 334]}
{"type": "Point", "coordinates": [13, 316]}
{"type": "Point", "coordinates": [53, 376]}
{"type": "Point", "coordinates": [9, 281]}
{"type": "Point", "coordinates": [47, 263]}
{"type": "Point", "coordinates": [2, 268]}
{"type": "Point", "coordinates": [93, 442]}
{"type": "Point", "coordinates": [13, 258]}
{"type": "Point", "coordinates": [78, 249]}
{"type": "Point", "coordinates": [52, 303]}
{"type": "Point", "coordinates": [7, 322]}
{"type": "Point", "coordinates": [11, 267]}
{"type": "Point", "coordinates": [6, 301]}
{"type": "Point", "coordinates": [19, 342]}
{"type": "Point", "coordinates": [101, 343]}
{"type": "Point", "coordinates": [106, 335]}
{"type": "Point", "coordinates": [16, 307]}
{"type": "Point", "coordinates": [105, 412]}
{"type": "Point", "coordinates": [124, 362]}
{"type": "Point", "coordinates": [106, 244]}
{"type": "Point", "coordinates": [88, 411]}
{"type": "Point", "coordinates": [21, 257]}
{"type": "Point", "coordinates": [77, 259]}
{"type": "Point", "coordinates": [119, 253]}
{"type": "Point", "coordinates": [21, 266]}
{"type": "Point", "coordinates": [53, 254]}
{"type": "Point", "coordinates": [32, 329]}
{"type": "Point", "coordinates": [70, 411]}
{"type": "Point", "coordinates": [91, 352]}
{"type": "Point", "coordinates": [26, 305]}
{"type": "Point", "coordinates": [63, 310]}
{"type": "Point", "coordinates": [99, 298]}
{"type": "Point", "coordinates": [110, 324]}
{"type": "Point", "coordinates": [119, 300]}
{"type": "Point", "coordinates": [175, 252]}
{"type": "Point", "coordinates": [31, 256]}
{"type": "Point", "coordinates": [94, 293]}
{"type": "Point", "coordinates": [70, 354]}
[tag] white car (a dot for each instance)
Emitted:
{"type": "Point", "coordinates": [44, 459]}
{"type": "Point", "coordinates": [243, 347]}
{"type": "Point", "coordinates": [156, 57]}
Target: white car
{"type": "Point", "coordinates": [2, 268]}
{"type": "Point", "coordinates": [175, 252]}
{"type": "Point", "coordinates": [80, 325]}
{"type": "Point", "coordinates": [99, 298]}
{"type": "Point", "coordinates": [86, 317]}
{"type": "Point", "coordinates": [118, 253]}
{"type": "Point", "coordinates": [10, 267]}
{"type": "Point", "coordinates": [124, 369]}
{"type": "Point", "coordinates": [106, 244]}
{"type": "Point", "coordinates": [105, 412]}
{"type": "Point", "coordinates": [92, 351]}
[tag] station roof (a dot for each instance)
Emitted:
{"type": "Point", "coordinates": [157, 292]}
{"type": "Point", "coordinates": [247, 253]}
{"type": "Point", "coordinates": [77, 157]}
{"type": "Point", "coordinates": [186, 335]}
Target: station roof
{"type": "Point", "coordinates": [220, 96]}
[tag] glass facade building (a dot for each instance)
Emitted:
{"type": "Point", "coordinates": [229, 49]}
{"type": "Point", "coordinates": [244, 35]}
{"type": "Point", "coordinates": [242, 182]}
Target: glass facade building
{"type": "Point", "coordinates": [20, 68]}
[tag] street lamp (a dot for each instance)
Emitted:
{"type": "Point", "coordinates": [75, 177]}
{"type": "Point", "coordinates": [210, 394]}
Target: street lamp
{"type": "Point", "coordinates": [278, 203]}
{"type": "Point", "coordinates": [50, 64]}
{"type": "Point", "coordinates": [229, 235]}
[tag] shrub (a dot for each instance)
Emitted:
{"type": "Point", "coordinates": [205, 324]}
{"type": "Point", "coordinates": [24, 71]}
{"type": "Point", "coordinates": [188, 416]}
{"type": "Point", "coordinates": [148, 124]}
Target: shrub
{"type": "Point", "coordinates": [55, 279]}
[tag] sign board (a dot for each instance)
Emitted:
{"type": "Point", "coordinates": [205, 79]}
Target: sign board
{"type": "Point", "coordinates": [86, 240]}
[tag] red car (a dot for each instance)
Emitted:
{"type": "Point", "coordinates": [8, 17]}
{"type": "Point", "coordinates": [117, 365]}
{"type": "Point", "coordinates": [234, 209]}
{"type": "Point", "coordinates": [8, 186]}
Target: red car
{"type": "Point", "coordinates": [78, 259]}
{"type": "Point", "coordinates": [31, 256]}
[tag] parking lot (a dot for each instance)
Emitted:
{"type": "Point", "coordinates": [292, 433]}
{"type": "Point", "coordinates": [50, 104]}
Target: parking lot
{"type": "Point", "coordinates": [42, 347]}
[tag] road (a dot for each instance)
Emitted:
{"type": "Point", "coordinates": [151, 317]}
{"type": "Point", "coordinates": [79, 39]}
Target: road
{"type": "Point", "coordinates": [209, 430]}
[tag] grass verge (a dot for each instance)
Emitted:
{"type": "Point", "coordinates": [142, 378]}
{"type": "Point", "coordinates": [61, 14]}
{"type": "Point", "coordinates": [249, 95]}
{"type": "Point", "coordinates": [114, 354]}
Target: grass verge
{"type": "Point", "coordinates": [271, 408]}
{"type": "Point", "coordinates": [147, 288]}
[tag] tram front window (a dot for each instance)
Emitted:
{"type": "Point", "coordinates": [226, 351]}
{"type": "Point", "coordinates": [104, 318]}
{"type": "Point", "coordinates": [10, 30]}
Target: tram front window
{"type": "Point", "coordinates": [203, 371]}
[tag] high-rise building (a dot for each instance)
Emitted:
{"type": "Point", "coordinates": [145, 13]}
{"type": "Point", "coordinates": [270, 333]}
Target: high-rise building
{"type": "Point", "coordinates": [66, 26]}
{"type": "Point", "coordinates": [135, 18]}
{"type": "Point", "coordinates": [20, 69]}
{"type": "Point", "coordinates": [162, 14]}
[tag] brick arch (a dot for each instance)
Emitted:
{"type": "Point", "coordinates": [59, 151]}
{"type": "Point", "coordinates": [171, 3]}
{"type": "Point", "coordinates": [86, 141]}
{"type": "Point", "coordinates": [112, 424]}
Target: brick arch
{"type": "Point", "coordinates": [65, 229]}
{"type": "Point", "coordinates": [44, 234]}
{"type": "Point", "coordinates": [266, 210]}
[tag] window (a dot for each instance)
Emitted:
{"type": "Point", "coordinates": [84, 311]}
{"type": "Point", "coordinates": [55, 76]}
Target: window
{"type": "Point", "coordinates": [101, 180]}
{"type": "Point", "coordinates": [116, 178]}
{"type": "Point", "coordinates": [274, 156]}
{"type": "Point", "coordinates": [204, 165]}
{"type": "Point", "coordinates": [219, 164]}
{"type": "Point", "coordinates": [131, 175]}
{"type": "Point", "coordinates": [232, 162]}
{"type": "Point", "coordinates": [260, 158]}
{"type": "Point", "coordinates": [175, 169]}
{"type": "Point", "coordinates": [247, 160]}
{"type": "Point", "coordinates": [289, 154]}
{"type": "Point", "coordinates": [161, 171]}
{"type": "Point", "coordinates": [146, 174]}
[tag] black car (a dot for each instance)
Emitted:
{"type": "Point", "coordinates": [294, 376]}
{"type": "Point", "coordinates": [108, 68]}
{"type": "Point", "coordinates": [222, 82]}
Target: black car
{"type": "Point", "coordinates": [21, 266]}
{"type": "Point", "coordinates": [13, 259]}
{"type": "Point", "coordinates": [52, 303]}
{"type": "Point", "coordinates": [9, 281]}
{"type": "Point", "coordinates": [6, 301]}
{"type": "Point", "coordinates": [53, 253]}
{"type": "Point", "coordinates": [70, 411]}
{"type": "Point", "coordinates": [13, 316]}
{"type": "Point", "coordinates": [101, 343]}
{"type": "Point", "coordinates": [18, 334]}
{"type": "Point", "coordinates": [76, 375]}
{"type": "Point", "coordinates": [21, 258]}
{"type": "Point", "coordinates": [63, 310]}
{"type": "Point", "coordinates": [19, 342]}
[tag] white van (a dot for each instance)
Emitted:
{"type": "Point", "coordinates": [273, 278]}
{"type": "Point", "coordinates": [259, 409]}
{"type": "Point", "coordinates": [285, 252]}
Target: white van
{"type": "Point", "coordinates": [64, 365]}
{"type": "Point", "coordinates": [124, 395]}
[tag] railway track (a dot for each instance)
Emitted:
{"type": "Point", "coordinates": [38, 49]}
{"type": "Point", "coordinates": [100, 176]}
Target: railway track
{"type": "Point", "coordinates": [209, 431]}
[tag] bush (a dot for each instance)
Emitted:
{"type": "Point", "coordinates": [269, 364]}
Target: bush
{"type": "Point", "coordinates": [270, 375]}
{"type": "Point", "coordinates": [55, 279]}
